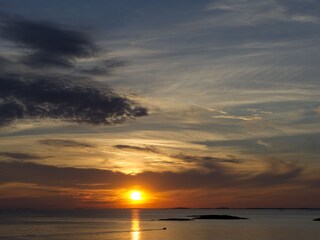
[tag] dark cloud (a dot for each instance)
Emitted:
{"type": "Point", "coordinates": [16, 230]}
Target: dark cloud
{"type": "Point", "coordinates": [207, 162]}
{"type": "Point", "coordinates": [57, 176]}
{"type": "Point", "coordinates": [47, 43]}
{"type": "Point", "coordinates": [4, 62]}
{"type": "Point", "coordinates": [137, 148]}
{"type": "Point", "coordinates": [21, 156]}
{"type": "Point", "coordinates": [104, 68]}
{"type": "Point", "coordinates": [314, 182]}
{"type": "Point", "coordinates": [278, 172]}
{"type": "Point", "coordinates": [64, 98]}
{"type": "Point", "coordinates": [38, 96]}
{"type": "Point", "coordinates": [65, 143]}
{"type": "Point", "coordinates": [160, 163]}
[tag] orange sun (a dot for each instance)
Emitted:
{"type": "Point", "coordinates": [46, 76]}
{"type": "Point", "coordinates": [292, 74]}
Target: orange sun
{"type": "Point", "coordinates": [136, 196]}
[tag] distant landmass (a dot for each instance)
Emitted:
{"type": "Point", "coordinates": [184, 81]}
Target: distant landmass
{"type": "Point", "coordinates": [195, 217]}
{"type": "Point", "coordinates": [218, 217]}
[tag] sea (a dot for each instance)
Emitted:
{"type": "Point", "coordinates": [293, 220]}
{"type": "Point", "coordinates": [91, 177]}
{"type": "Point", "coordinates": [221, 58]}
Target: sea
{"type": "Point", "coordinates": [143, 224]}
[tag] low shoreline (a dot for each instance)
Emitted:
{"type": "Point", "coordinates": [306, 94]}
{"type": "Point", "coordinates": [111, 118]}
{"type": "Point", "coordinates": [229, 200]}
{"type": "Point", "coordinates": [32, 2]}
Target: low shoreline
{"type": "Point", "coordinates": [204, 217]}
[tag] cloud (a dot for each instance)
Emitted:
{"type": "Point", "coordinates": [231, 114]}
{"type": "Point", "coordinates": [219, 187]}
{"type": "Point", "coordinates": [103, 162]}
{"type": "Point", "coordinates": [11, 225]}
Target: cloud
{"type": "Point", "coordinates": [278, 172]}
{"type": "Point", "coordinates": [243, 118]}
{"type": "Point", "coordinates": [4, 62]}
{"type": "Point", "coordinates": [21, 156]}
{"type": "Point", "coordinates": [23, 172]}
{"type": "Point", "coordinates": [65, 143]}
{"type": "Point", "coordinates": [307, 144]}
{"type": "Point", "coordinates": [207, 162]}
{"type": "Point", "coordinates": [136, 148]}
{"type": "Point", "coordinates": [262, 143]}
{"type": "Point", "coordinates": [55, 176]}
{"type": "Point", "coordinates": [308, 8]}
{"type": "Point", "coordinates": [47, 43]}
{"type": "Point", "coordinates": [104, 68]}
{"type": "Point", "coordinates": [26, 94]}
{"type": "Point", "coordinates": [251, 12]}
{"type": "Point", "coordinates": [63, 98]}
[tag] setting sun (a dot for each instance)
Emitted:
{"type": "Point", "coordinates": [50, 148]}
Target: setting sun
{"type": "Point", "coordinates": [136, 196]}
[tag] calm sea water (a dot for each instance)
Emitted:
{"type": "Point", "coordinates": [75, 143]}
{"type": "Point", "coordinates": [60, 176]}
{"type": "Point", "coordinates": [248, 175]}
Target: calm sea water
{"type": "Point", "coordinates": [143, 224]}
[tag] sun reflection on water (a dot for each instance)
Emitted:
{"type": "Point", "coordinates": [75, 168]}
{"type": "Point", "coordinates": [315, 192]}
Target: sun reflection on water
{"type": "Point", "coordinates": [135, 225]}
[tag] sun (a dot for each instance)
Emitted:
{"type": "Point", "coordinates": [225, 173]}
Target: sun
{"type": "Point", "coordinates": [135, 196]}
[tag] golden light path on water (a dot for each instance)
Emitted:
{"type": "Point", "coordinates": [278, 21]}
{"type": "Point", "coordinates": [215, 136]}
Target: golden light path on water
{"type": "Point", "coordinates": [135, 225]}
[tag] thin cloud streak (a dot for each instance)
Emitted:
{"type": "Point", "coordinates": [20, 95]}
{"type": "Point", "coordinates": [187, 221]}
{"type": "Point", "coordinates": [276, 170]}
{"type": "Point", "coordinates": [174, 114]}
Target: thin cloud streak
{"type": "Point", "coordinates": [21, 156]}
{"type": "Point", "coordinates": [65, 143]}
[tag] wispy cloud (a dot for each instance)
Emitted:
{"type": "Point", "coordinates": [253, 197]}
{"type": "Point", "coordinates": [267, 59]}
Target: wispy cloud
{"type": "Point", "coordinates": [21, 156]}
{"type": "Point", "coordinates": [252, 12]}
{"type": "Point", "coordinates": [290, 147]}
{"type": "Point", "coordinates": [244, 118]}
{"type": "Point", "coordinates": [137, 148]}
{"type": "Point", "coordinates": [65, 143]}
{"type": "Point", "coordinates": [184, 160]}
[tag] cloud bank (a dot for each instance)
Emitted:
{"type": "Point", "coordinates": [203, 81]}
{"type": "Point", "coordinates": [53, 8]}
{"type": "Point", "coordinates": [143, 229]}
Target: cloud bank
{"type": "Point", "coordinates": [80, 178]}
{"type": "Point", "coordinates": [47, 43]}
{"type": "Point", "coordinates": [63, 98]}
{"type": "Point", "coordinates": [47, 95]}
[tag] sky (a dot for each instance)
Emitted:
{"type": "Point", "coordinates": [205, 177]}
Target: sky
{"type": "Point", "coordinates": [196, 103]}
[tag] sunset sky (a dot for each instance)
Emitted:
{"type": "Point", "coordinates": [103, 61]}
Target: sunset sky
{"type": "Point", "coordinates": [195, 103]}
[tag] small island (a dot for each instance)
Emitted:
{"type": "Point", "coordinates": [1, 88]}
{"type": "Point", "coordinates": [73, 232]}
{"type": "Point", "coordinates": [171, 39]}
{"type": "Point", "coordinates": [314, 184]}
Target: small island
{"type": "Point", "coordinates": [217, 217]}
{"type": "Point", "coordinates": [195, 217]}
{"type": "Point", "coordinates": [317, 219]}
